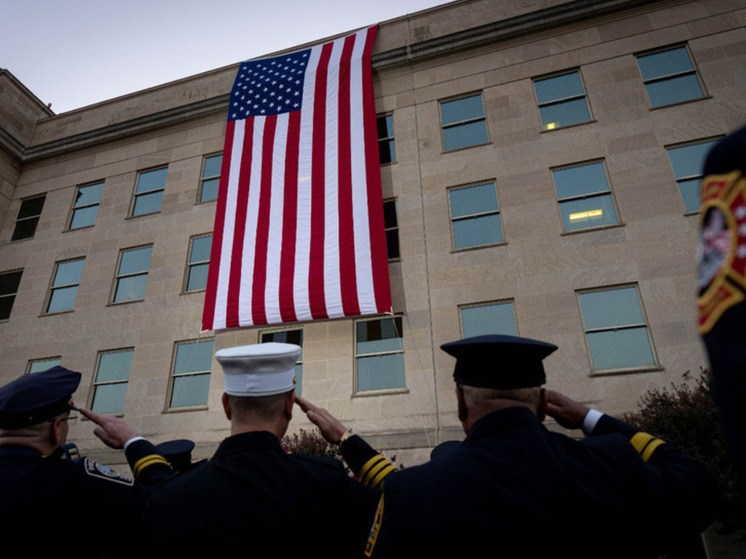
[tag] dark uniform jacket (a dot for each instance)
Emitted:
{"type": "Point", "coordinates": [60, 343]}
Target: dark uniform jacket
{"type": "Point", "coordinates": [254, 497]}
{"type": "Point", "coordinates": [56, 507]}
{"type": "Point", "coordinates": [514, 485]}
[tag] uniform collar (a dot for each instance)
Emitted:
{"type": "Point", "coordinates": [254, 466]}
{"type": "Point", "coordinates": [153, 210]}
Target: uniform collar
{"type": "Point", "coordinates": [18, 450]}
{"type": "Point", "coordinates": [255, 440]}
{"type": "Point", "coordinates": [502, 421]}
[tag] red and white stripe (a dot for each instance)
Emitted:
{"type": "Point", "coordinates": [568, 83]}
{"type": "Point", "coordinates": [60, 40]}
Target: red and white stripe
{"type": "Point", "coordinates": [299, 231]}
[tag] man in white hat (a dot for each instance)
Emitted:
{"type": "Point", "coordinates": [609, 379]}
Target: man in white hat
{"type": "Point", "coordinates": [251, 493]}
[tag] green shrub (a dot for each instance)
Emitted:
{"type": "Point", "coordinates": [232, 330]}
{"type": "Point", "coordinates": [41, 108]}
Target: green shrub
{"type": "Point", "coordinates": [686, 415]}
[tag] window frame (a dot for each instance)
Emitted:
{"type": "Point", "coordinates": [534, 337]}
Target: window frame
{"type": "Point", "coordinates": [29, 218]}
{"type": "Point", "coordinates": [136, 194]}
{"type": "Point", "coordinates": [299, 362]}
{"type": "Point", "coordinates": [118, 275]}
{"type": "Point", "coordinates": [586, 196]}
{"type": "Point", "coordinates": [487, 304]}
{"type": "Point", "coordinates": [190, 264]}
{"type": "Point", "coordinates": [75, 208]}
{"type": "Point", "coordinates": [172, 376]}
{"type": "Point", "coordinates": [453, 220]}
{"type": "Point", "coordinates": [53, 287]}
{"type": "Point", "coordinates": [654, 366]}
{"type": "Point", "coordinates": [465, 122]}
{"type": "Point", "coordinates": [95, 383]}
{"type": "Point", "coordinates": [9, 295]}
{"type": "Point", "coordinates": [203, 178]}
{"type": "Point", "coordinates": [686, 178]}
{"type": "Point", "coordinates": [694, 71]}
{"type": "Point", "coordinates": [545, 127]}
{"type": "Point", "coordinates": [389, 140]}
{"type": "Point", "coordinates": [398, 324]}
{"type": "Point", "coordinates": [391, 230]}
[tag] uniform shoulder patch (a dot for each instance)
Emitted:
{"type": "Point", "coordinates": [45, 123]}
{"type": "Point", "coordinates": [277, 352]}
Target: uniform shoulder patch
{"type": "Point", "coordinates": [94, 469]}
{"type": "Point", "coordinates": [721, 255]}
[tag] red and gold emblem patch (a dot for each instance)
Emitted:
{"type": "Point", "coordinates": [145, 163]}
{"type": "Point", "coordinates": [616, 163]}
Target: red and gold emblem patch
{"type": "Point", "coordinates": [721, 255]}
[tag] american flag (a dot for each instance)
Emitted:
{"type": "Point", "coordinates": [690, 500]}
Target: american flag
{"type": "Point", "coordinates": [299, 231]}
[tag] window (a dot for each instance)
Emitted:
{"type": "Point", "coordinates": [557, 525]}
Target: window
{"type": "Point", "coordinates": [199, 263]}
{"type": "Point", "coordinates": [688, 164]}
{"type": "Point", "coordinates": [562, 101]}
{"type": "Point", "coordinates": [85, 207]}
{"type": "Point", "coordinates": [64, 288]}
{"type": "Point", "coordinates": [615, 329]}
{"type": "Point", "coordinates": [670, 77]}
{"type": "Point", "coordinates": [490, 318]}
{"type": "Point", "coordinates": [9, 282]}
{"type": "Point", "coordinates": [386, 148]}
{"type": "Point", "coordinates": [39, 365]}
{"type": "Point", "coordinates": [149, 192]}
{"type": "Point", "coordinates": [391, 225]}
{"type": "Point", "coordinates": [475, 216]}
{"type": "Point", "coordinates": [463, 122]}
{"type": "Point", "coordinates": [584, 196]}
{"type": "Point", "coordinates": [132, 274]}
{"type": "Point", "coordinates": [289, 337]}
{"type": "Point", "coordinates": [190, 379]}
{"type": "Point", "coordinates": [379, 354]}
{"type": "Point", "coordinates": [28, 218]}
{"type": "Point", "coordinates": [208, 186]}
{"type": "Point", "coordinates": [112, 377]}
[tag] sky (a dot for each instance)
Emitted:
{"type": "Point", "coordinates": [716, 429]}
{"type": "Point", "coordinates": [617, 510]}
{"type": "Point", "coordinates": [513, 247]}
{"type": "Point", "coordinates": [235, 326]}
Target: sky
{"type": "Point", "coordinates": [73, 53]}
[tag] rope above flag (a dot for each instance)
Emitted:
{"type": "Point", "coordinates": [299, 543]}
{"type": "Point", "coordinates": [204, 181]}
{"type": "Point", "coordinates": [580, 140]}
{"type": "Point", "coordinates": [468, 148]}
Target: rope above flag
{"type": "Point", "coordinates": [299, 231]}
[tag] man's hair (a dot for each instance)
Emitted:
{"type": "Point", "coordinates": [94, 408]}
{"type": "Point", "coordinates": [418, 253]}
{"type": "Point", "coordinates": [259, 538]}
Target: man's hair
{"type": "Point", "coordinates": [259, 408]}
{"type": "Point", "coordinates": [486, 400]}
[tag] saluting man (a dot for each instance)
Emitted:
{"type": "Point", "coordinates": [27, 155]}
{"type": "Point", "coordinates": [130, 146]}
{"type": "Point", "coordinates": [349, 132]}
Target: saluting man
{"type": "Point", "coordinates": [513, 484]}
{"type": "Point", "coordinates": [56, 506]}
{"type": "Point", "coordinates": [251, 495]}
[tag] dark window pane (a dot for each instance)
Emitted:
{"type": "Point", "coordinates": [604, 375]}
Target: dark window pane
{"type": "Point", "coordinates": [130, 288]}
{"type": "Point", "coordinates": [462, 109]}
{"type": "Point", "coordinates": [580, 180]}
{"type": "Point", "coordinates": [151, 180]}
{"type": "Point", "coordinates": [380, 372]}
{"type": "Point", "coordinates": [617, 349]}
{"type": "Point", "coordinates": [31, 207]}
{"type": "Point", "coordinates": [582, 213]}
{"type": "Point", "coordinates": [665, 63]}
{"type": "Point", "coordinates": [607, 309]}
{"type": "Point", "coordinates": [89, 195]}
{"type": "Point", "coordinates": [477, 231]}
{"type": "Point", "coordinates": [148, 203]}
{"type": "Point", "coordinates": [25, 229]}
{"type": "Point", "coordinates": [558, 87]}
{"type": "Point", "coordinates": [674, 90]}
{"type": "Point", "coordinates": [212, 166]}
{"type": "Point", "coordinates": [62, 299]}
{"type": "Point", "coordinates": [386, 151]}
{"type": "Point", "coordinates": [84, 217]}
{"type": "Point", "coordinates": [565, 113]}
{"type": "Point", "coordinates": [385, 125]}
{"type": "Point", "coordinates": [473, 200]}
{"type": "Point", "coordinates": [9, 282]}
{"type": "Point", "coordinates": [488, 319]}
{"type": "Point", "coordinates": [114, 366]}
{"type": "Point", "coordinates": [210, 190]}
{"type": "Point", "coordinates": [392, 244]}
{"type": "Point", "coordinates": [465, 135]}
{"type": "Point", "coordinates": [135, 261]}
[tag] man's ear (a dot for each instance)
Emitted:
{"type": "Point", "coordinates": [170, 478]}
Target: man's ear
{"type": "Point", "coordinates": [460, 400]}
{"type": "Point", "coordinates": [541, 412]}
{"type": "Point", "coordinates": [227, 406]}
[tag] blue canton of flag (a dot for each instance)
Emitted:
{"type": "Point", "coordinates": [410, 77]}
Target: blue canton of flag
{"type": "Point", "coordinates": [270, 86]}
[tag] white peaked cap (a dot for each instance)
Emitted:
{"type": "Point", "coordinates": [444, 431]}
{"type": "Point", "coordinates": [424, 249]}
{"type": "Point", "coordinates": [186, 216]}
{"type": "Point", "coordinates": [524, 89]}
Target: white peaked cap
{"type": "Point", "coordinates": [260, 369]}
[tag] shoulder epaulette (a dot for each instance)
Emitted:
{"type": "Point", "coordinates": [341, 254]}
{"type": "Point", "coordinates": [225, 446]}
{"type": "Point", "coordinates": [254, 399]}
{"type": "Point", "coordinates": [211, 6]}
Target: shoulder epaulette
{"type": "Point", "coordinates": [645, 444]}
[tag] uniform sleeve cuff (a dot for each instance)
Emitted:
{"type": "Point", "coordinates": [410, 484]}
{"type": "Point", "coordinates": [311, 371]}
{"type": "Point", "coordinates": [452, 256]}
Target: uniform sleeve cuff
{"type": "Point", "coordinates": [132, 440]}
{"type": "Point", "coordinates": [589, 423]}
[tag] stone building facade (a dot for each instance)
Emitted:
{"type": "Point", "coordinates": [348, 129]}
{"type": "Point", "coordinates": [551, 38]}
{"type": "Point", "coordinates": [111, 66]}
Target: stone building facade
{"type": "Point", "coordinates": [540, 165]}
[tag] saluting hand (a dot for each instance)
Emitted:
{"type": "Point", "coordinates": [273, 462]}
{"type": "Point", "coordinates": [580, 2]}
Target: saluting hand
{"type": "Point", "coordinates": [111, 430]}
{"type": "Point", "coordinates": [331, 428]}
{"type": "Point", "coordinates": [565, 411]}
